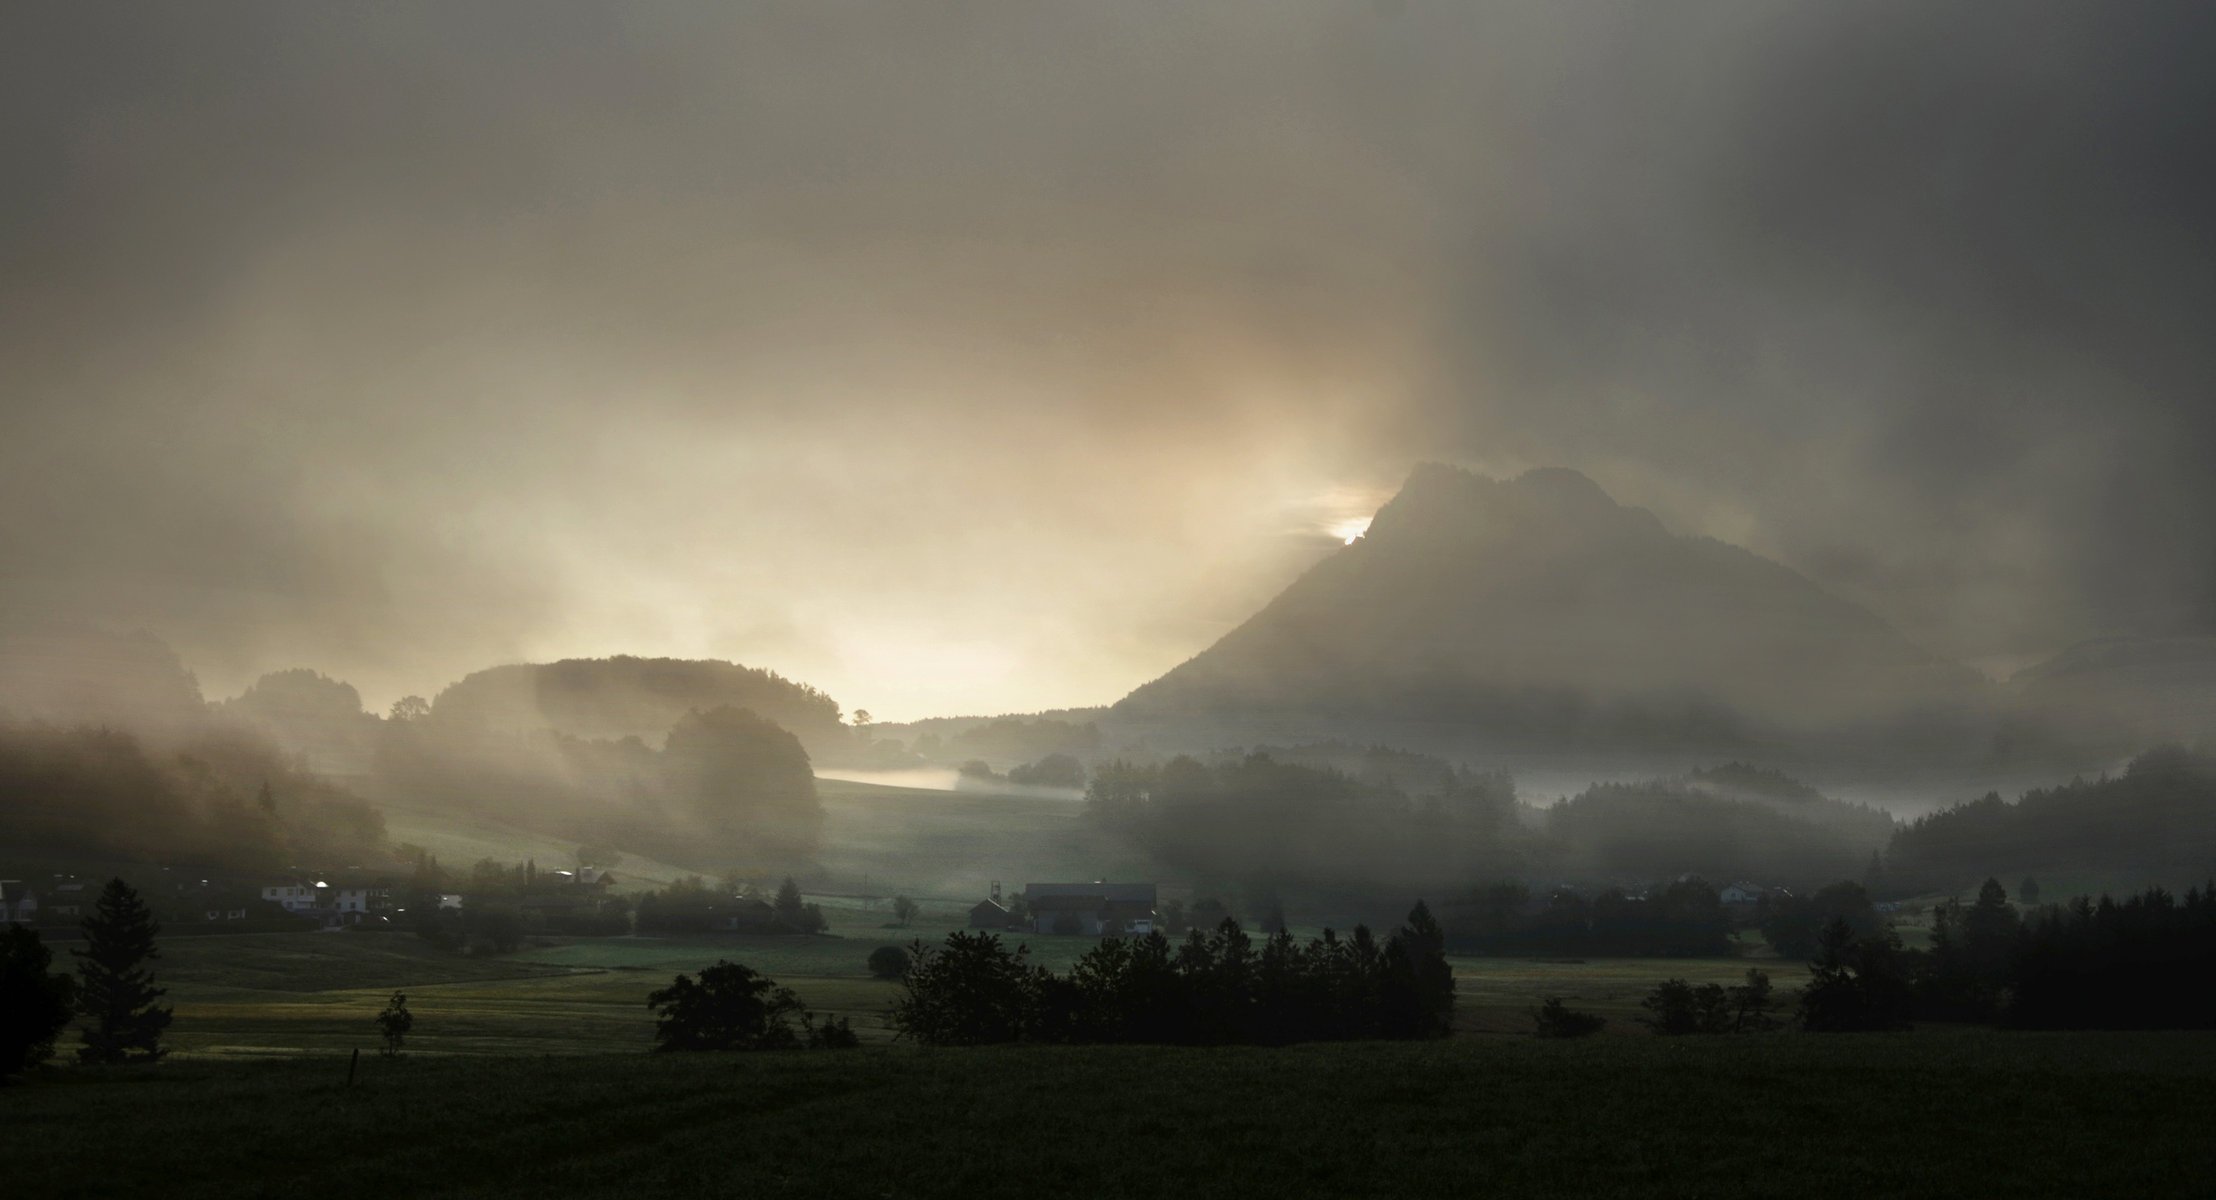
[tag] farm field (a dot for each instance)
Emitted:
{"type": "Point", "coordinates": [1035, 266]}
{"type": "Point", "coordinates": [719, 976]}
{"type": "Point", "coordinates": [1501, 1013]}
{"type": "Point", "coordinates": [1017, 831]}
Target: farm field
{"type": "Point", "coordinates": [1923, 1114]}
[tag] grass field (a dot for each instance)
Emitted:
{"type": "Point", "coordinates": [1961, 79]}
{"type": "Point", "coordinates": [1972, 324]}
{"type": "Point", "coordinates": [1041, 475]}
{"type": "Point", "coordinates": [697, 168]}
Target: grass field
{"type": "Point", "coordinates": [1955, 1115]}
{"type": "Point", "coordinates": [295, 993]}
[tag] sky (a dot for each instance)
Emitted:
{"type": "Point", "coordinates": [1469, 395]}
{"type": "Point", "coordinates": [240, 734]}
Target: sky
{"type": "Point", "coordinates": [966, 357]}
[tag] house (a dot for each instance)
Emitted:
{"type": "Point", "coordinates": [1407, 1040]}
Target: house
{"type": "Point", "coordinates": [744, 914]}
{"type": "Point", "coordinates": [1093, 909]}
{"type": "Point", "coordinates": [295, 897]}
{"type": "Point", "coordinates": [18, 903]}
{"type": "Point", "coordinates": [990, 914]}
{"type": "Point", "coordinates": [66, 901]}
{"type": "Point", "coordinates": [1742, 893]}
{"type": "Point", "coordinates": [332, 904]}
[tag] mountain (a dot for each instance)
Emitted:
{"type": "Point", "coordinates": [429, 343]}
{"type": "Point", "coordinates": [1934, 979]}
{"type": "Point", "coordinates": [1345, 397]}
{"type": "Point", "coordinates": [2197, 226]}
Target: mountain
{"type": "Point", "coordinates": [2125, 692]}
{"type": "Point", "coordinates": [1536, 612]}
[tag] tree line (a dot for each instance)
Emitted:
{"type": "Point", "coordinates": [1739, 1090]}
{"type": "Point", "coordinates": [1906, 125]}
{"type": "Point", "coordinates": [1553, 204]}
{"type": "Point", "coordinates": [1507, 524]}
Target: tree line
{"type": "Point", "coordinates": [2155, 821]}
{"type": "Point", "coordinates": [1215, 988]}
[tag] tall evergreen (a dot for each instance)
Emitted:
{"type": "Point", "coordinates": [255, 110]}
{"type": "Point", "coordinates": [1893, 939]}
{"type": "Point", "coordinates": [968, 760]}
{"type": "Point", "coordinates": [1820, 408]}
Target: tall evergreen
{"type": "Point", "coordinates": [115, 991]}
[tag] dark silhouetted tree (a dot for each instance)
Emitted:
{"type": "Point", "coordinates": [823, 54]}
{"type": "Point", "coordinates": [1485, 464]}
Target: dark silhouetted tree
{"type": "Point", "coordinates": [2027, 892]}
{"type": "Point", "coordinates": [34, 1001]}
{"type": "Point", "coordinates": [904, 909]}
{"type": "Point", "coordinates": [1752, 1003]}
{"type": "Point", "coordinates": [971, 991]}
{"type": "Point", "coordinates": [788, 905]}
{"type": "Point", "coordinates": [888, 962]}
{"type": "Point", "coordinates": [394, 1023]}
{"type": "Point", "coordinates": [1676, 1008]}
{"type": "Point", "coordinates": [1793, 924]}
{"type": "Point", "coordinates": [834, 1033]}
{"type": "Point", "coordinates": [1856, 983]}
{"type": "Point", "coordinates": [115, 987]}
{"type": "Point", "coordinates": [732, 1007]}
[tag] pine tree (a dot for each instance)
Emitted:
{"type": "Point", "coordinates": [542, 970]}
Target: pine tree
{"type": "Point", "coordinates": [115, 990]}
{"type": "Point", "coordinates": [788, 904]}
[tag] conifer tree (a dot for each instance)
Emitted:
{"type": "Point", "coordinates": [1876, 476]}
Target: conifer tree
{"type": "Point", "coordinates": [115, 987]}
{"type": "Point", "coordinates": [788, 905]}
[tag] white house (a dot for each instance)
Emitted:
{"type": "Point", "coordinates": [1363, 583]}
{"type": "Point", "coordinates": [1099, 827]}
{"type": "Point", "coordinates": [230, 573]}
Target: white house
{"type": "Point", "coordinates": [348, 904]}
{"type": "Point", "coordinates": [303, 898]}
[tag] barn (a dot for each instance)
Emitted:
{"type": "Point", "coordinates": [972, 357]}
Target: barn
{"type": "Point", "coordinates": [1092, 909]}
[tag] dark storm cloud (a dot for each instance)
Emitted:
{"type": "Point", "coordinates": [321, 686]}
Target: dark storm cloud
{"type": "Point", "coordinates": [970, 356]}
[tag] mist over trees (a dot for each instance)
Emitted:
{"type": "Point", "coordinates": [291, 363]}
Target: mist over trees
{"type": "Point", "coordinates": [2156, 821]}
{"type": "Point", "coordinates": [1661, 829]}
{"type": "Point", "coordinates": [1256, 820]}
{"type": "Point", "coordinates": [218, 798]}
{"type": "Point", "coordinates": [610, 699]}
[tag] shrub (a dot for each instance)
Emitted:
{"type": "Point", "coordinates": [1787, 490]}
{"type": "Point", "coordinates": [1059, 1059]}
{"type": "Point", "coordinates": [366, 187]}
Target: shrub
{"type": "Point", "coordinates": [1555, 1019]}
{"type": "Point", "coordinates": [888, 962]}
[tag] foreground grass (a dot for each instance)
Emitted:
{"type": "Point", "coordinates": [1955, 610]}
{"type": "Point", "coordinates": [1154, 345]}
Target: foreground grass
{"type": "Point", "coordinates": [1897, 1115]}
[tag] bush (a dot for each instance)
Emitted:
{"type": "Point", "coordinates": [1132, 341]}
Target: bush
{"type": "Point", "coordinates": [1555, 1019]}
{"type": "Point", "coordinates": [888, 962]}
{"type": "Point", "coordinates": [1676, 1008]}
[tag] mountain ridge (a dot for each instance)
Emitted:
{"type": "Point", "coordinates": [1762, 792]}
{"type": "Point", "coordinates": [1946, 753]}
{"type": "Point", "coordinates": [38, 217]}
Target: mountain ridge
{"type": "Point", "coordinates": [1541, 607]}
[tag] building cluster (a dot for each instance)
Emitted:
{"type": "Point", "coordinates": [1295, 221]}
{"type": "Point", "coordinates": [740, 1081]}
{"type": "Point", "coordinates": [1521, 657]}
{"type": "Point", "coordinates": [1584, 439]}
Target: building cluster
{"type": "Point", "coordinates": [1090, 909]}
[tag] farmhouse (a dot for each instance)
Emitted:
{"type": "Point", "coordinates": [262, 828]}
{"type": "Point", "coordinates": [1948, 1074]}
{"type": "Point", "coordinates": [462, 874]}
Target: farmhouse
{"type": "Point", "coordinates": [1090, 908]}
{"type": "Point", "coordinates": [744, 914]}
{"type": "Point", "coordinates": [345, 904]}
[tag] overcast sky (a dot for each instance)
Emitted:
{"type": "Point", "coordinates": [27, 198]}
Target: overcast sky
{"type": "Point", "coordinates": [965, 357]}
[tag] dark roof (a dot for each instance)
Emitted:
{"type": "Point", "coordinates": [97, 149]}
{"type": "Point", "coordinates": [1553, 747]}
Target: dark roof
{"type": "Point", "coordinates": [13, 890]}
{"type": "Point", "coordinates": [992, 905]}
